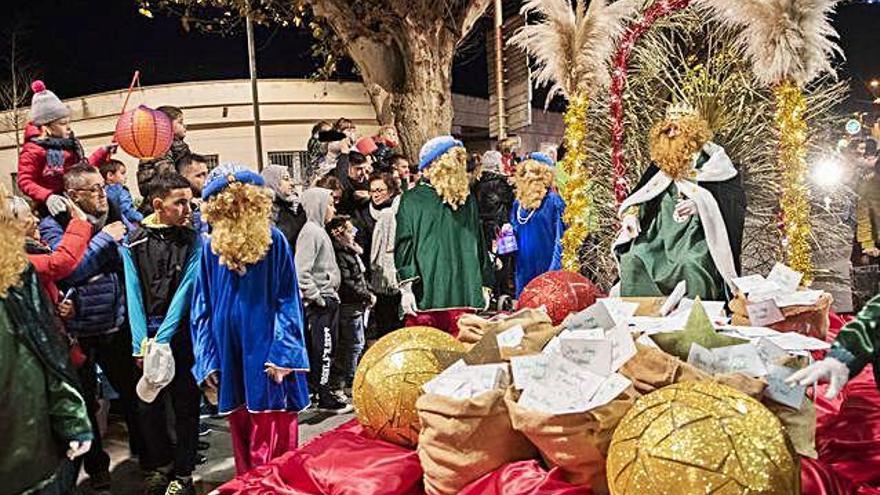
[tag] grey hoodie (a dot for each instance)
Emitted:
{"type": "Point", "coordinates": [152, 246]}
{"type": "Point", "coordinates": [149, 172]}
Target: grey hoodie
{"type": "Point", "coordinates": [315, 259]}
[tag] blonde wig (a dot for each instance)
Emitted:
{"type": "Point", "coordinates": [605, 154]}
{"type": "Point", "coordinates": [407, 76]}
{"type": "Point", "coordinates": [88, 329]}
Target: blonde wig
{"type": "Point", "coordinates": [532, 181]}
{"type": "Point", "coordinates": [241, 225]}
{"type": "Point", "coordinates": [675, 155]}
{"type": "Point", "coordinates": [13, 260]}
{"type": "Point", "coordinates": [448, 174]}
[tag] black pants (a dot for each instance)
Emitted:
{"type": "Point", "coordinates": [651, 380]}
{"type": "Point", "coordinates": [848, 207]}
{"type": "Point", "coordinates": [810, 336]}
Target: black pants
{"type": "Point", "coordinates": [184, 396]}
{"type": "Point", "coordinates": [385, 316]}
{"type": "Point", "coordinates": [323, 336]}
{"type": "Point", "coordinates": [350, 344]}
{"type": "Point", "coordinates": [113, 354]}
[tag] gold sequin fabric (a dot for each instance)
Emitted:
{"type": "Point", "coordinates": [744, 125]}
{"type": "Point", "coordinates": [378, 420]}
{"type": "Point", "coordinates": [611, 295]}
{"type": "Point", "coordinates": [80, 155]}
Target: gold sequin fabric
{"type": "Point", "coordinates": [389, 378]}
{"type": "Point", "coordinates": [699, 438]}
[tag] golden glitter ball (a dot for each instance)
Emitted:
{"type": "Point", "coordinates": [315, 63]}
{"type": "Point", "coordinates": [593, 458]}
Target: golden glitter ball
{"type": "Point", "coordinates": [389, 378]}
{"type": "Point", "coordinates": [700, 437]}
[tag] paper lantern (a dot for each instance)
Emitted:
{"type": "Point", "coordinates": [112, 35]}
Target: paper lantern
{"type": "Point", "coordinates": [700, 437]}
{"type": "Point", "coordinates": [560, 292]}
{"type": "Point", "coordinates": [389, 378]}
{"type": "Point", "coordinates": [144, 133]}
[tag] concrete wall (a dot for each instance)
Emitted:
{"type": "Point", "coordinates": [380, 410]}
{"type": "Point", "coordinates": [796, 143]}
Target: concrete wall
{"type": "Point", "coordinates": [219, 117]}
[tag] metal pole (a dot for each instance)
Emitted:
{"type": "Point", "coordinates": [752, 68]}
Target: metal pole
{"type": "Point", "coordinates": [499, 68]}
{"type": "Point", "coordinates": [255, 97]}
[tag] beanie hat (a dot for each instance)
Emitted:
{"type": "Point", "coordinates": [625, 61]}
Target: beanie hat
{"type": "Point", "coordinates": [435, 148]}
{"type": "Point", "coordinates": [542, 158]}
{"type": "Point", "coordinates": [366, 146]}
{"type": "Point", "coordinates": [45, 106]}
{"type": "Point", "coordinates": [224, 175]}
{"type": "Point", "coordinates": [492, 161]}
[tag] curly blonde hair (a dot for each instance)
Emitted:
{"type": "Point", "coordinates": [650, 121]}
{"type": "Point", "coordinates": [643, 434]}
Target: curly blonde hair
{"type": "Point", "coordinates": [13, 260]}
{"type": "Point", "coordinates": [448, 174]}
{"type": "Point", "coordinates": [241, 225]}
{"type": "Point", "coordinates": [532, 181]}
{"type": "Point", "coordinates": [675, 155]}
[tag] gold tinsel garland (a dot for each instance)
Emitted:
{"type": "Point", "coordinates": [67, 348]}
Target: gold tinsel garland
{"type": "Point", "coordinates": [575, 192]}
{"type": "Point", "coordinates": [791, 107]}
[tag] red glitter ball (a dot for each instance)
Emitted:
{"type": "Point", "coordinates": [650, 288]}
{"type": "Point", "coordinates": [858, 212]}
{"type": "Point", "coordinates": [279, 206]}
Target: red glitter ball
{"type": "Point", "coordinates": [560, 292]}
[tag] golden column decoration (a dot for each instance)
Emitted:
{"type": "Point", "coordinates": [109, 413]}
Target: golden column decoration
{"type": "Point", "coordinates": [576, 191]}
{"type": "Point", "coordinates": [791, 107]}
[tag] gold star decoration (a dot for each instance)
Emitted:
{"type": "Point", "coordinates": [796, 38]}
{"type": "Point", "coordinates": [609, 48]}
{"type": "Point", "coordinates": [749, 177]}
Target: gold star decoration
{"type": "Point", "coordinates": [698, 329]}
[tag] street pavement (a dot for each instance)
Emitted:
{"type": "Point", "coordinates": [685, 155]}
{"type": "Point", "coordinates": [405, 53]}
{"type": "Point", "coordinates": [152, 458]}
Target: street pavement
{"type": "Point", "coordinates": [220, 466]}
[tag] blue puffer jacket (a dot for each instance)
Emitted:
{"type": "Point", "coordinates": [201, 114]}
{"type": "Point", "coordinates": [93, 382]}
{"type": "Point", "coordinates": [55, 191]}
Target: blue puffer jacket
{"type": "Point", "coordinates": [99, 295]}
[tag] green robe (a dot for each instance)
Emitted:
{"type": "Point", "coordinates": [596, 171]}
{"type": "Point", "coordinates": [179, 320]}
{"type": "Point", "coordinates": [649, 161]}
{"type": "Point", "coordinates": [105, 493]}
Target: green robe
{"type": "Point", "coordinates": [858, 343]}
{"type": "Point", "coordinates": [441, 250]}
{"type": "Point", "coordinates": [42, 410]}
{"type": "Point", "coordinates": [667, 252]}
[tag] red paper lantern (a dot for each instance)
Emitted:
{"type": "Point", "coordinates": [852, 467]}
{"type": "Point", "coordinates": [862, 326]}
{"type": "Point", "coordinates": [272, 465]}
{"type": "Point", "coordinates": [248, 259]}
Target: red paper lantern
{"type": "Point", "coordinates": [144, 133]}
{"type": "Point", "coordinates": [560, 292]}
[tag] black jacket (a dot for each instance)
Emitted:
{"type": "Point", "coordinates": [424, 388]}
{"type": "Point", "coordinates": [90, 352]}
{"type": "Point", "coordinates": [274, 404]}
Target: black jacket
{"type": "Point", "coordinates": [354, 288]}
{"type": "Point", "coordinates": [289, 219]}
{"type": "Point", "coordinates": [494, 202]}
{"type": "Point", "coordinates": [160, 255]}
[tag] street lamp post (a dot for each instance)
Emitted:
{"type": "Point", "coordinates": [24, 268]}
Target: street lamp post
{"type": "Point", "coordinates": [255, 97]}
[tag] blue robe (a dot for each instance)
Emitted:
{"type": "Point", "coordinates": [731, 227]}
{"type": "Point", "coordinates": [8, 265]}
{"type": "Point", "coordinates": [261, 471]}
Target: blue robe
{"type": "Point", "coordinates": [538, 238]}
{"type": "Point", "coordinates": [241, 323]}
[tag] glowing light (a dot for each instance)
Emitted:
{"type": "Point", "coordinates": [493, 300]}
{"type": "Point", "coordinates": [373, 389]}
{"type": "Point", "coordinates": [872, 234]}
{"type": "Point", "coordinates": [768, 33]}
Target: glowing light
{"type": "Point", "coordinates": [827, 172]}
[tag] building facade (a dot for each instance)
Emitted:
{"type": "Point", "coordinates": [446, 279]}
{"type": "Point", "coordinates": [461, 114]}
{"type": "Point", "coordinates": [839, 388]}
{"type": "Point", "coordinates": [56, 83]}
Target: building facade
{"type": "Point", "coordinates": [219, 120]}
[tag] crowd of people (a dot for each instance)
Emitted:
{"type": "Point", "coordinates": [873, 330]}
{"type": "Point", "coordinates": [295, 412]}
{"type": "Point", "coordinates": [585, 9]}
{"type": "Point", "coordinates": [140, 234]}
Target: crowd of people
{"type": "Point", "coordinates": [247, 293]}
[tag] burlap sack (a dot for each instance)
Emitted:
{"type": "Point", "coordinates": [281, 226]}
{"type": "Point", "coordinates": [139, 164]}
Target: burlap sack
{"type": "Point", "coordinates": [576, 443]}
{"type": "Point", "coordinates": [651, 369]}
{"type": "Point", "coordinates": [800, 425]}
{"type": "Point", "coordinates": [808, 320]}
{"type": "Point", "coordinates": [537, 331]}
{"type": "Point", "coordinates": [461, 440]}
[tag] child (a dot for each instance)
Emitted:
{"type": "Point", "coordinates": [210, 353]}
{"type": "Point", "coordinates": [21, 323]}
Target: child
{"type": "Point", "coordinates": [247, 322]}
{"type": "Point", "coordinates": [114, 185]}
{"type": "Point", "coordinates": [318, 281]}
{"type": "Point", "coordinates": [161, 262]}
{"type": "Point", "coordinates": [149, 170]}
{"type": "Point", "coordinates": [50, 150]}
{"type": "Point", "coordinates": [354, 296]}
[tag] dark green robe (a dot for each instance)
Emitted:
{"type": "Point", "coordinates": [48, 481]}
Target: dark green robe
{"type": "Point", "coordinates": [441, 250]}
{"type": "Point", "coordinates": [858, 343]}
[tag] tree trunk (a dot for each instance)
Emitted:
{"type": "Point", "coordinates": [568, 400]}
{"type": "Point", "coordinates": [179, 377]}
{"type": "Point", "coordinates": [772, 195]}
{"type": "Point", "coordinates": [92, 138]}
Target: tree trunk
{"type": "Point", "coordinates": [423, 107]}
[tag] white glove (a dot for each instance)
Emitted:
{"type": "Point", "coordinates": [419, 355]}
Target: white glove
{"type": "Point", "coordinates": [77, 448]}
{"type": "Point", "coordinates": [408, 299]}
{"type": "Point", "coordinates": [684, 209]}
{"type": "Point", "coordinates": [826, 370]}
{"type": "Point", "coordinates": [56, 204]}
{"type": "Point", "coordinates": [487, 298]}
{"type": "Point", "coordinates": [630, 225]}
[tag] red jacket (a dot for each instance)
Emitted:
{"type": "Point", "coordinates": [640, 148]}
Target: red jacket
{"type": "Point", "coordinates": [37, 180]}
{"type": "Point", "coordinates": [60, 263]}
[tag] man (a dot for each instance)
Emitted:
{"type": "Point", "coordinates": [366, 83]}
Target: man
{"type": "Point", "coordinates": [247, 322]}
{"type": "Point", "coordinates": [351, 170]}
{"type": "Point", "coordinates": [194, 168]}
{"type": "Point", "coordinates": [441, 257]}
{"type": "Point", "coordinates": [161, 261]}
{"type": "Point", "coordinates": [684, 221]}
{"type": "Point", "coordinates": [400, 166]}
{"type": "Point", "coordinates": [99, 321]}
{"type": "Point", "coordinates": [536, 218]}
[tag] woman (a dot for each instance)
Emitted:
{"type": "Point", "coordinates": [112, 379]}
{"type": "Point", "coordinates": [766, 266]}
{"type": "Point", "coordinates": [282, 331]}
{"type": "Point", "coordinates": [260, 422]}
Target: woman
{"type": "Point", "coordinates": [380, 217]}
{"type": "Point", "coordinates": [287, 214]}
{"type": "Point", "coordinates": [383, 189]}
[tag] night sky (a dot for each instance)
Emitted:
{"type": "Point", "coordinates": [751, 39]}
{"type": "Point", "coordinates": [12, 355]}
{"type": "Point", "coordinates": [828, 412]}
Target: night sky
{"type": "Point", "coordinates": [81, 47]}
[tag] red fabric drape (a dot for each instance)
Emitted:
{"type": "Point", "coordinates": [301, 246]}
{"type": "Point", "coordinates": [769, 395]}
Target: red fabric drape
{"type": "Point", "coordinates": [345, 462]}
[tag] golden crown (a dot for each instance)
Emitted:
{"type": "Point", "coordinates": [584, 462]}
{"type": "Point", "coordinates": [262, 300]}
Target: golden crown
{"type": "Point", "coordinates": [679, 110]}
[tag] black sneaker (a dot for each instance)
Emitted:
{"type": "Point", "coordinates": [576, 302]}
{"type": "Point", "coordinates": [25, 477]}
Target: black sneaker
{"type": "Point", "coordinates": [201, 459]}
{"type": "Point", "coordinates": [204, 429]}
{"type": "Point", "coordinates": [206, 410]}
{"type": "Point", "coordinates": [331, 404]}
{"type": "Point", "coordinates": [155, 483]}
{"type": "Point", "coordinates": [340, 396]}
{"type": "Point", "coordinates": [203, 445]}
{"type": "Point", "coordinates": [181, 487]}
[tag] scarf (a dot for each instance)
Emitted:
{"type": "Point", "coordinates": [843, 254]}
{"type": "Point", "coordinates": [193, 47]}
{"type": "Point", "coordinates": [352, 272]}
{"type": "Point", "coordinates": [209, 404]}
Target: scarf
{"type": "Point", "coordinates": [376, 210]}
{"type": "Point", "coordinates": [98, 223]}
{"type": "Point", "coordinates": [55, 148]}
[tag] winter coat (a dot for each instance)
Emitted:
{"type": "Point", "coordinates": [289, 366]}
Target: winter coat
{"type": "Point", "coordinates": [99, 296]}
{"type": "Point", "coordinates": [42, 408]}
{"type": "Point", "coordinates": [348, 203]}
{"type": "Point", "coordinates": [120, 196]}
{"type": "Point", "coordinates": [354, 289]}
{"type": "Point", "coordinates": [316, 266]}
{"type": "Point", "coordinates": [37, 177]}
{"type": "Point", "coordinates": [289, 218]}
{"type": "Point", "coordinates": [54, 266]}
{"type": "Point", "coordinates": [383, 273]}
{"type": "Point", "coordinates": [494, 202]}
{"type": "Point", "coordinates": [161, 264]}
